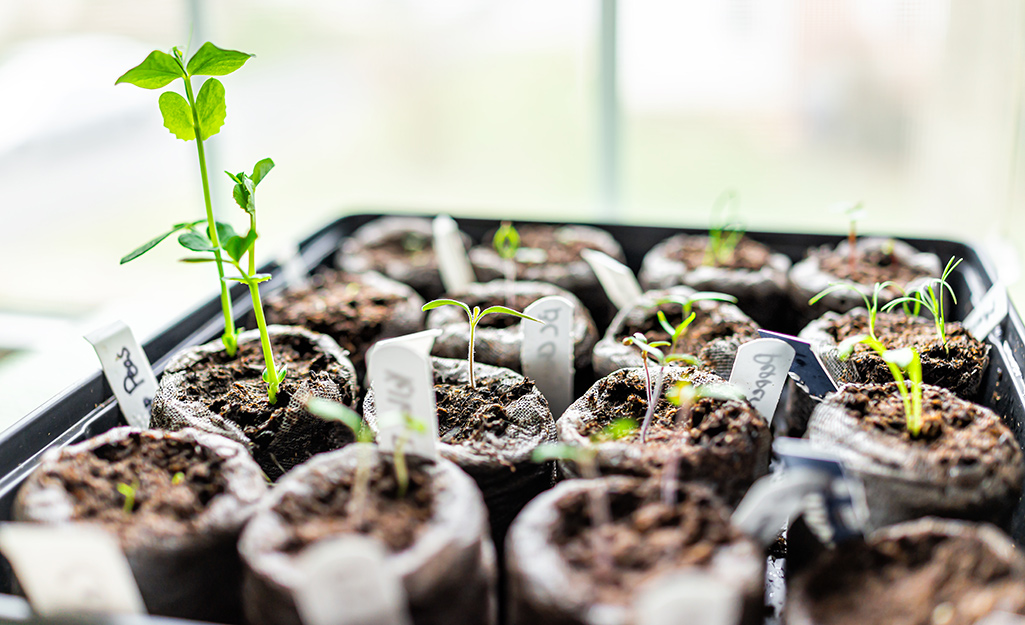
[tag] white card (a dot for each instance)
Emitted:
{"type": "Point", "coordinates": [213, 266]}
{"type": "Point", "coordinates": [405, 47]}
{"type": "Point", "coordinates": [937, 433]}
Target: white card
{"type": "Point", "coordinates": [346, 581]}
{"type": "Point", "coordinates": [616, 279]}
{"type": "Point", "coordinates": [453, 263]}
{"type": "Point", "coordinates": [70, 569]}
{"type": "Point", "coordinates": [688, 597]}
{"type": "Point", "coordinates": [760, 370]}
{"type": "Point", "coordinates": [547, 350]}
{"type": "Point", "coordinates": [988, 313]}
{"type": "Point", "coordinates": [127, 370]}
{"type": "Point", "coordinates": [402, 377]}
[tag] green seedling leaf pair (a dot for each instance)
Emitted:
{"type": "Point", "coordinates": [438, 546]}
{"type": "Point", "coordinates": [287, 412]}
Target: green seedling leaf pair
{"type": "Point", "coordinates": [128, 491]}
{"type": "Point", "coordinates": [854, 212]}
{"type": "Point", "coordinates": [653, 389]}
{"type": "Point", "coordinates": [871, 304]}
{"type": "Point", "coordinates": [898, 361]}
{"type": "Point", "coordinates": [193, 117]}
{"type": "Point", "coordinates": [474, 316]}
{"type": "Point", "coordinates": [678, 332]}
{"type": "Point", "coordinates": [930, 296]}
{"type": "Point", "coordinates": [726, 230]}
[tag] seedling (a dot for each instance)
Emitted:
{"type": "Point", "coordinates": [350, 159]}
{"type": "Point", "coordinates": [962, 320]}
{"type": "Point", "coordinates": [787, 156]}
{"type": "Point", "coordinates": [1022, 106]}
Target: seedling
{"type": "Point", "coordinates": [334, 411]}
{"type": "Point", "coordinates": [653, 391]}
{"type": "Point", "coordinates": [401, 470]}
{"type": "Point", "coordinates": [128, 492]}
{"type": "Point", "coordinates": [726, 231]}
{"type": "Point", "coordinates": [196, 117]}
{"type": "Point", "coordinates": [678, 332]}
{"type": "Point", "coordinates": [898, 361]}
{"type": "Point", "coordinates": [474, 317]}
{"type": "Point", "coordinates": [930, 296]}
{"type": "Point", "coordinates": [506, 243]}
{"type": "Point", "coordinates": [178, 478]}
{"type": "Point", "coordinates": [871, 304]}
{"type": "Point", "coordinates": [854, 211]}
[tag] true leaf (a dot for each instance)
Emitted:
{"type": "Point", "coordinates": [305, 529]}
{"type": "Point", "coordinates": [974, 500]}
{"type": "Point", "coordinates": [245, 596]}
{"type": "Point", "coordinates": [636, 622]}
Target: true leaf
{"type": "Point", "coordinates": [237, 246]}
{"type": "Point", "coordinates": [157, 71]}
{"type": "Point", "coordinates": [148, 245]}
{"type": "Point", "coordinates": [261, 169]}
{"type": "Point", "coordinates": [195, 260]}
{"type": "Point", "coordinates": [177, 115]}
{"type": "Point", "coordinates": [210, 60]}
{"type": "Point", "coordinates": [224, 231]}
{"type": "Point", "coordinates": [211, 108]}
{"type": "Point", "coordinates": [196, 242]}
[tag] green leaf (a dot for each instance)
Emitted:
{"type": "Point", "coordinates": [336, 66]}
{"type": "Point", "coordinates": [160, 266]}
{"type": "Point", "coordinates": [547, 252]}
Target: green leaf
{"type": "Point", "coordinates": [148, 245]}
{"type": "Point", "coordinates": [261, 277]}
{"type": "Point", "coordinates": [196, 242]}
{"type": "Point", "coordinates": [237, 246]}
{"type": "Point", "coordinates": [196, 260]}
{"type": "Point", "coordinates": [224, 231]}
{"type": "Point", "coordinates": [211, 108]}
{"type": "Point", "coordinates": [177, 115]}
{"type": "Point", "coordinates": [508, 311]}
{"type": "Point", "coordinates": [446, 302]}
{"type": "Point", "coordinates": [723, 391]}
{"type": "Point", "coordinates": [240, 195]}
{"type": "Point", "coordinates": [554, 451]}
{"type": "Point", "coordinates": [662, 321]}
{"type": "Point", "coordinates": [157, 71]}
{"type": "Point", "coordinates": [261, 169]}
{"type": "Point", "coordinates": [846, 347]}
{"type": "Point", "coordinates": [900, 357]}
{"type": "Point", "coordinates": [713, 296]}
{"type": "Point", "coordinates": [506, 241]}
{"type": "Point", "coordinates": [620, 428]}
{"type": "Point", "coordinates": [334, 411]}
{"type": "Point", "coordinates": [210, 60]}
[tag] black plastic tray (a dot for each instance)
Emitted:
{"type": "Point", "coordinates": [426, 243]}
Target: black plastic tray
{"type": "Point", "coordinates": [88, 408]}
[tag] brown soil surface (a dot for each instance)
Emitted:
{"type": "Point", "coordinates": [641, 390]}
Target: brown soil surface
{"type": "Point", "coordinates": [692, 251]}
{"type": "Point", "coordinates": [875, 266]}
{"type": "Point", "coordinates": [706, 327]}
{"type": "Point", "coordinates": [325, 509]}
{"type": "Point", "coordinates": [958, 365]}
{"type": "Point", "coordinates": [646, 538]}
{"type": "Point", "coordinates": [920, 580]}
{"type": "Point", "coordinates": [559, 248]}
{"type": "Point", "coordinates": [339, 305]}
{"type": "Point", "coordinates": [164, 505]}
{"type": "Point", "coordinates": [477, 417]}
{"type": "Point", "coordinates": [413, 247]}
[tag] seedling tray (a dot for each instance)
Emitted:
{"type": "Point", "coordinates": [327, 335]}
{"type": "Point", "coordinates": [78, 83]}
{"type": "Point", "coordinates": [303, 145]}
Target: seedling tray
{"type": "Point", "coordinates": [88, 408]}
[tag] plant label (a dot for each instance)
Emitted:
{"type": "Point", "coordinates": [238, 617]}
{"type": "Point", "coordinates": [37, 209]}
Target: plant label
{"type": "Point", "coordinates": [616, 279]}
{"type": "Point", "coordinates": [700, 597]}
{"type": "Point", "coordinates": [402, 377]}
{"type": "Point", "coordinates": [127, 370]}
{"type": "Point", "coordinates": [807, 365]}
{"type": "Point", "coordinates": [989, 313]}
{"type": "Point", "coordinates": [453, 263]}
{"type": "Point", "coordinates": [547, 350]}
{"type": "Point", "coordinates": [1001, 618]}
{"type": "Point", "coordinates": [70, 569]}
{"type": "Point", "coordinates": [347, 581]}
{"type": "Point", "coordinates": [760, 370]}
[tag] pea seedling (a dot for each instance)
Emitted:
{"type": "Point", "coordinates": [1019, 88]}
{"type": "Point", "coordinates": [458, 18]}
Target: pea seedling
{"type": "Point", "coordinates": [871, 305]}
{"type": "Point", "coordinates": [678, 332]}
{"type": "Point", "coordinates": [506, 243]}
{"type": "Point", "coordinates": [898, 361]}
{"type": "Point", "coordinates": [930, 295]}
{"type": "Point", "coordinates": [196, 117]}
{"type": "Point", "coordinates": [726, 231]}
{"type": "Point", "coordinates": [334, 411]}
{"type": "Point", "coordinates": [653, 391]}
{"type": "Point", "coordinates": [854, 211]}
{"type": "Point", "coordinates": [474, 317]}
{"type": "Point", "coordinates": [128, 492]}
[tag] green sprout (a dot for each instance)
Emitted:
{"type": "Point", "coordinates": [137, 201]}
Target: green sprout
{"type": "Point", "coordinates": [898, 361]}
{"type": "Point", "coordinates": [678, 332]}
{"type": "Point", "coordinates": [652, 390]}
{"type": "Point", "coordinates": [854, 211]}
{"type": "Point", "coordinates": [128, 492]}
{"type": "Point", "coordinates": [196, 117]}
{"type": "Point", "coordinates": [871, 304]}
{"type": "Point", "coordinates": [410, 426]}
{"type": "Point", "coordinates": [506, 243]}
{"type": "Point", "coordinates": [930, 296]}
{"type": "Point", "coordinates": [726, 231]}
{"type": "Point", "coordinates": [178, 478]}
{"type": "Point", "coordinates": [334, 411]}
{"type": "Point", "coordinates": [474, 317]}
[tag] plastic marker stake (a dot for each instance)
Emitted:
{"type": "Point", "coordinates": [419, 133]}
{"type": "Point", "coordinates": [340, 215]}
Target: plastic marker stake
{"type": "Point", "coordinates": [127, 370]}
{"type": "Point", "coordinates": [760, 370]}
{"type": "Point", "coordinates": [346, 581]}
{"type": "Point", "coordinates": [989, 313]}
{"type": "Point", "coordinates": [616, 278]}
{"type": "Point", "coordinates": [807, 365]}
{"type": "Point", "coordinates": [402, 377]}
{"type": "Point", "coordinates": [690, 597]}
{"type": "Point", "coordinates": [453, 263]}
{"type": "Point", "coordinates": [547, 350]}
{"type": "Point", "coordinates": [70, 569]}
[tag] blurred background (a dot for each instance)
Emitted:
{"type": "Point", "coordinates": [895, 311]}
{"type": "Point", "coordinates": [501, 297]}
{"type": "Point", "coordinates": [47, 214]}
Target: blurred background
{"type": "Point", "coordinates": [587, 110]}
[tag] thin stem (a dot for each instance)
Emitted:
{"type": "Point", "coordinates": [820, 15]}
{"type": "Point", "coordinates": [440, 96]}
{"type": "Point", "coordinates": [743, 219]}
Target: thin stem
{"type": "Point", "coordinates": [228, 338]}
{"type": "Point", "coordinates": [852, 240]}
{"type": "Point", "coordinates": [268, 355]}
{"type": "Point", "coordinates": [252, 246]}
{"type": "Point", "coordinates": [361, 485]}
{"type": "Point", "coordinates": [401, 471]}
{"type": "Point", "coordinates": [653, 398]}
{"type": "Point", "coordinates": [473, 326]}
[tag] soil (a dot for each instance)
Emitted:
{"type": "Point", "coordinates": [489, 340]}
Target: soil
{"type": "Point", "coordinates": [477, 417]}
{"type": "Point", "coordinates": [958, 365]}
{"type": "Point", "coordinates": [234, 388]}
{"type": "Point", "coordinates": [917, 580]}
{"type": "Point", "coordinates": [646, 538]}
{"type": "Point", "coordinates": [692, 251]}
{"type": "Point", "coordinates": [706, 327]}
{"type": "Point", "coordinates": [559, 248]}
{"type": "Point", "coordinates": [339, 305]}
{"type": "Point", "coordinates": [323, 509]}
{"type": "Point", "coordinates": [164, 505]}
{"type": "Point", "coordinates": [869, 268]}
{"type": "Point", "coordinates": [412, 247]}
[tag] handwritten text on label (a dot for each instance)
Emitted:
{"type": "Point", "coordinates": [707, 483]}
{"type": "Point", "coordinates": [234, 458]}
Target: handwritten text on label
{"type": "Point", "coordinates": [547, 350]}
{"type": "Point", "coordinates": [127, 371]}
{"type": "Point", "coordinates": [760, 371]}
{"type": "Point", "coordinates": [402, 377]}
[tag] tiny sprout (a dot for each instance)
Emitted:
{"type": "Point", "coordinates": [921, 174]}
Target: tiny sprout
{"type": "Point", "coordinates": [411, 425]}
{"type": "Point", "coordinates": [177, 478]}
{"type": "Point", "coordinates": [653, 391]}
{"type": "Point", "coordinates": [474, 317]}
{"type": "Point", "coordinates": [506, 243]}
{"type": "Point", "coordinates": [871, 305]}
{"type": "Point", "coordinates": [898, 361]}
{"type": "Point", "coordinates": [678, 332]}
{"type": "Point", "coordinates": [620, 428]}
{"type": "Point", "coordinates": [854, 211]}
{"type": "Point", "coordinates": [334, 411]}
{"type": "Point", "coordinates": [726, 230]}
{"type": "Point", "coordinates": [930, 295]}
{"type": "Point", "coordinates": [128, 492]}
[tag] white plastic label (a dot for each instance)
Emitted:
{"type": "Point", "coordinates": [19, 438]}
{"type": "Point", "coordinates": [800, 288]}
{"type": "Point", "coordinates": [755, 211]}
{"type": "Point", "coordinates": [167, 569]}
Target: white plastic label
{"type": "Point", "coordinates": [453, 263]}
{"type": "Point", "coordinates": [70, 569]}
{"type": "Point", "coordinates": [547, 350]}
{"type": "Point", "coordinates": [774, 500]}
{"type": "Point", "coordinates": [760, 370]}
{"type": "Point", "coordinates": [988, 313]}
{"type": "Point", "coordinates": [690, 597]}
{"type": "Point", "coordinates": [402, 377]}
{"type": "Point", "coordinates": [127, 370]}
{"type": "Point", "coordinates": [346, 581]}
{"type": "Point", "coordinates": [616, 279]}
